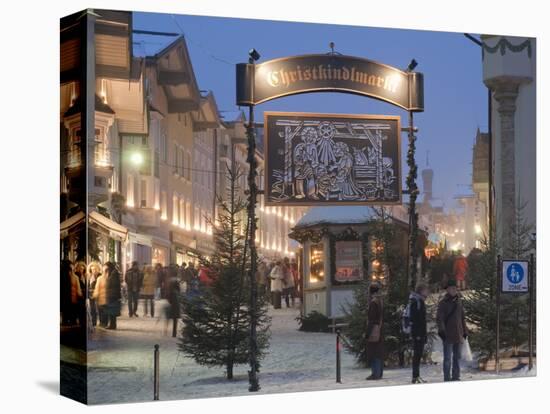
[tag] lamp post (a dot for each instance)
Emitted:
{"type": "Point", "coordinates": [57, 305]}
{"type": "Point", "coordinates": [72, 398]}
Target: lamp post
{"type": "Point", "coordinates": [136, 159]}
{"type": "Point", "coordinates": [252, 199]}
{"type": "Point", "coordinates": [412, 190]}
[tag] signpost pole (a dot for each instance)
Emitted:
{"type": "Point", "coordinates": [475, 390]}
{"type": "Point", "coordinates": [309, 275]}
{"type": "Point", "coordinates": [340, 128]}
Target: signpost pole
{"type": "Point", "coordinates": [252, 199]}
{"type": "Point", "coordinates": [531, 307]}
{"type": "Point", "coordinates": [413, 217]}
{"type": "Point", "coordinates": [156, 376]}
{"type": "Point", "coordinates": [499, 286]}
{"type": "Point", "coordinates": [338, 364]}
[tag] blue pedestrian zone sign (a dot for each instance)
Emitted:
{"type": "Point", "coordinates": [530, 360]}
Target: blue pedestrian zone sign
{"type": "Point", "coordinates": [515, 276]}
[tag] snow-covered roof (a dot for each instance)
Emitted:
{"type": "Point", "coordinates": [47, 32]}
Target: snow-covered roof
{"type": "Point", "coordinates": [336, 215]}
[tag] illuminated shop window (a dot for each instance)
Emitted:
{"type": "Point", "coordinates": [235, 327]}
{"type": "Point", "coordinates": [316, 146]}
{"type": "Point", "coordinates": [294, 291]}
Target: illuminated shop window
{"type": "Point", "coordinates": [317, 263]}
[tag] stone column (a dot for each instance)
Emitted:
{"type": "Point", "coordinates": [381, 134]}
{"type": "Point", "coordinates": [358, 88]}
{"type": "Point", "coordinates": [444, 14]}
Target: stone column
{"type": "Point", "coordinates": [505, 93]}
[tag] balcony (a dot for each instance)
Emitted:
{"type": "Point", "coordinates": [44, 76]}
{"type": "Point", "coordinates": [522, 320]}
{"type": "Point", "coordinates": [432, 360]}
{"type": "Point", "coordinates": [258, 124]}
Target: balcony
{"type": "Point", "coordinates": [74, 158]}
{"type": "Point", "coordinates": [102, 157]}
{"type": "Point", "coordinates": [224, 151]}
{"type": "Point", "coordinates": [147, 217]}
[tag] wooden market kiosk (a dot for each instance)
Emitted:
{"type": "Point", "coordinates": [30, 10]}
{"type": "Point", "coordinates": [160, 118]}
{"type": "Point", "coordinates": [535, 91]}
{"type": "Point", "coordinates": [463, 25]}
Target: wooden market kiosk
{"type": "Point", "coordinates": [335, 243]}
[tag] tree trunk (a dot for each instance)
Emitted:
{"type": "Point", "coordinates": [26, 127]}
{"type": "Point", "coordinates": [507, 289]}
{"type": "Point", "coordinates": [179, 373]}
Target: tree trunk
{"type": "Point", "coordinates": [229, 368]}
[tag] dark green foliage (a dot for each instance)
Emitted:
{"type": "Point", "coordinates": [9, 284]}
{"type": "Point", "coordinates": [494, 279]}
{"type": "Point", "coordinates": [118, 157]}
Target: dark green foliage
{"type": "Point", "coordinates": [440, 270]}
{"type": "Point", "coordinates": [356, 317]}
{"type": "Point", "coordinates": [516, 307]}
{"type": "Point", "coordinates": [392, 274]}
{"type": "Point", "coordinates": [413, 214]}
{"type": "Point", "coordinates": [91, 248]}
{"type": "Point", "coordinates": [216, 319]}
{"type": "Point", "coordinates": [314, 322]}
{"type": "Point", "coordinates": [480, 302]}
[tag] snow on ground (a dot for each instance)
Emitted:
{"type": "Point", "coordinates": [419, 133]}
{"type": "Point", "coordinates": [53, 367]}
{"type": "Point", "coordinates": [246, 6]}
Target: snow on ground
{"type": "Point", "coordinates": [121, 365]}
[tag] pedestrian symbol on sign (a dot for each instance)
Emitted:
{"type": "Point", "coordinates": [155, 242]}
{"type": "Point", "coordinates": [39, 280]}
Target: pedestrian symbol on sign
{"type": "Point", "coordinates": [515, 273]}
{"type": "Point", "coordinates": [515, 276]}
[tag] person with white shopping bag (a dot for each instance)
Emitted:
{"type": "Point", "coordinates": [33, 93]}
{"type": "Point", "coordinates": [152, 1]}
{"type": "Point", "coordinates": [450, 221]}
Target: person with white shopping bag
{"type": "Point", "coordinates": [418, 328]}
{"type": "Point", "coordinates": [452, 330]}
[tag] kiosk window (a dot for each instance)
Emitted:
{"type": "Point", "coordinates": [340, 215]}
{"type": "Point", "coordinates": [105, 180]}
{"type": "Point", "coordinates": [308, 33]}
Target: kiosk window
{"type": "Point", "coordinates": [317, 263]}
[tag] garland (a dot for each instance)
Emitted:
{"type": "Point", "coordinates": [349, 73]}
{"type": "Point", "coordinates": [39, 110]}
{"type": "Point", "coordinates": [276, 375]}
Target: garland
{"type": "Point", "coordinates": [504, 44]}
{"type": "Point", "coordinates": [413, 214]}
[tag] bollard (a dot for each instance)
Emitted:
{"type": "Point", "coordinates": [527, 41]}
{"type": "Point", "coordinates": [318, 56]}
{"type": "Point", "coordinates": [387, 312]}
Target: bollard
{"type": "Point", "coordinates": [174, 327]}
{"type": "Point", "coordinates": [338, 367]}
{"type": "Point", "coordinates": [156, 382]}
{"type": "Point", "coordinates": [531, 307]}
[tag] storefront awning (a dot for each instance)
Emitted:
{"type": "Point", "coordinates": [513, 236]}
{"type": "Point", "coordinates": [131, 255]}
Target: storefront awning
{"type": "Point", "coordinates": [116, 231]}
{"type": "Point", "coordinates": [142, 239]}
{"type": "Point", "coordinates": [69, 224]}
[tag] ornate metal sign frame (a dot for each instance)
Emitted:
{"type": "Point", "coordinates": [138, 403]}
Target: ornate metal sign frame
{"type": "Point", "coordinates": [262, 82]}
{"type": "Point", "coordinates": [322, 169]}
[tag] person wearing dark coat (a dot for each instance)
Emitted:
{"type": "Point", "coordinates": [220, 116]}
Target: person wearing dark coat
{"type": "Point", "coordinates": [419, 331]}
{"type": "Point", "coordinates": [451, 325]}
{"type": "Point", "coordinates": [134, 282]}
{"type": "Point", "coordinates": [160, 288]}
{"type": "Point", "coordinates": [375, 337]}
{"type": "Point", "coordinates": [112, 293]}
{"type": "Point", "coordinates": [173, 297]}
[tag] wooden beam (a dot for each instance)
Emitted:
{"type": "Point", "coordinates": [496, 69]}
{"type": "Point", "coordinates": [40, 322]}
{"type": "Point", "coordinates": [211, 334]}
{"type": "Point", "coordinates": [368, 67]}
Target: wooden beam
{"type": "Point", "coordinates": [182, 105]}
{"type": "Point", "coordinates": [173, 78]}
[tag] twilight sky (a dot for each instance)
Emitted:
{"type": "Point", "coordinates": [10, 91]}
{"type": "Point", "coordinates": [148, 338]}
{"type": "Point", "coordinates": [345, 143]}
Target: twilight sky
{"type": "Point", "coordinates": [455, 98]}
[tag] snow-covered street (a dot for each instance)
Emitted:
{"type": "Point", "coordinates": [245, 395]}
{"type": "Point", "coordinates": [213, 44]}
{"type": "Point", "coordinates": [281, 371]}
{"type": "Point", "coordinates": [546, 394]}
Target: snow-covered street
{"type": "Point", "coordinates": [121, 365]}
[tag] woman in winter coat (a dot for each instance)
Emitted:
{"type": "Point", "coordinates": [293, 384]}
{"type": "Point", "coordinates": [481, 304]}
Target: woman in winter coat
{"type": "Point", "coordinates": [71, 293]}
{"type": "Point", "coordinates": [112, 293]}
{"type": "Point", "coordinates": [148, 289]}
{"type": "Point", "coordinates": [262, 275]}
{"type": "Point", "coordinates": [288, 283]}
{"type": "Point", "coordinates": [94, 271]}
{"type": "Point", "coordinates": [99, 296]}
{"type": "Point", "coordinates": [277, 279]}
{"type": "Point", "coordinates": [80, 271]}
{"type": "Point", "coordinates": [204, 277]}
{"type": "Point", "coordinates": [375, 337]}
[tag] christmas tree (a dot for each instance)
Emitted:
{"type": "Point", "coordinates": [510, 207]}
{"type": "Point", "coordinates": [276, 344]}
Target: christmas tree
{"type": "Point", "coordinates": [216, 320]}
{"type": "Point", "coordinates": [480, 302]}
{"type": "Point", "coordinates": [388, 269]}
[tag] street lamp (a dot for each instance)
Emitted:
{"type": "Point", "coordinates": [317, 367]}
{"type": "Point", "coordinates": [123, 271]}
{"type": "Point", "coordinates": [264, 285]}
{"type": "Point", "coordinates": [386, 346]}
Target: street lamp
{"type": "Point", "coordinates": [136, 158]}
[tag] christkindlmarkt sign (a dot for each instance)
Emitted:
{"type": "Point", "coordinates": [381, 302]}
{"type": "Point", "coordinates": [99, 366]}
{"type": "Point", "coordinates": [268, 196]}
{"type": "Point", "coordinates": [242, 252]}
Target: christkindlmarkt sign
{"type": "Point", "coordinates": [325, 159]}
{"type": "Point", "coordinates": [257, 83]}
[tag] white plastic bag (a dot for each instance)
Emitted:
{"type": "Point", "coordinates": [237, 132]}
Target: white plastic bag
{"type": "Point", "coordinates": [466, 351]}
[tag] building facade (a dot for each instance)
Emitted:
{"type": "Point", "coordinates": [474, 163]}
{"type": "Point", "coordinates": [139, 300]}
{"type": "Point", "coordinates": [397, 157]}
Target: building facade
{"type": "Point", "coordinates": [509, 71]}
{"type": "Point", "coordinates": [149, 180]}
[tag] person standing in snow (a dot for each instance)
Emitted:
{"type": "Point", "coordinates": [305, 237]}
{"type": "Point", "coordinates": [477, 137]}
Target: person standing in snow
{"type": "Point", "coordinates": [375, 337]}
{"type": "Point", "coordinates": [451, 325]}
{"type": "Point", "coordinates": [419, 331]}
{"type": "Point", "coordinates": [277, 277]}
{"type": "Point", "coordinates": [148, 290]}
{"type": "Point", "coordinates": [261, 278]}
{"type": "Point", "coordinates": [134, 282]}
{"type": "Point", "coordinates": [288, 283]}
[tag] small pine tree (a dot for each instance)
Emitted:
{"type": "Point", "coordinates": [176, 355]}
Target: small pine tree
{"type": "Point", "coordinates": [216, 321]}
{"type": "Point", "coordinates": [516, 307]}
{"type": "Point", "coordinates": [356, 318]}
{"type": "Point", "coordinates": [391, 272]}
{"type": "Point", "coordinates": [480, 303]}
